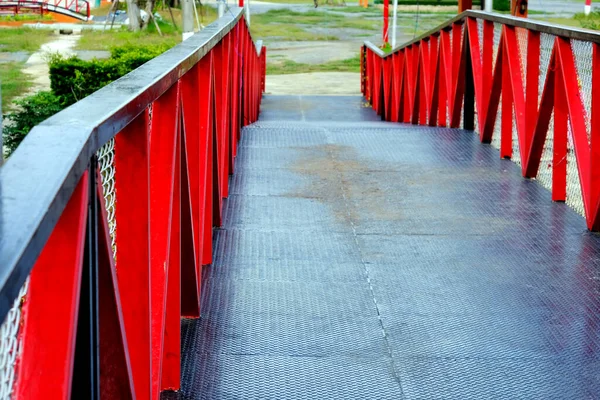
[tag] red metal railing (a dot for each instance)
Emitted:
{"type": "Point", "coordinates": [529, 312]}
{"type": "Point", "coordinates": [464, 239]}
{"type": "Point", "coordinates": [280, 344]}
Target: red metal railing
{"type": "Point", "coordinates": [111, 205]}
{"type": "Point", "coordinates": [531, 89]}
{"type": "Point", "coordinates": [75, 8]}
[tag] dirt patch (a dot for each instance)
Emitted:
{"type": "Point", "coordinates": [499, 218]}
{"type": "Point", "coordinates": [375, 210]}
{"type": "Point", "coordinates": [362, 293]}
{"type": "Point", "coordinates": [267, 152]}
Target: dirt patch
{"type": "Point", "coordinates": [341, 180]}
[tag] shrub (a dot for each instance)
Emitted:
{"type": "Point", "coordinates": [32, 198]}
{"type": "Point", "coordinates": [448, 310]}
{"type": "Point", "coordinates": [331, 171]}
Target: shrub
{"type": "Point", "coordinates": [31, 111]}
{"type": "Point", "coordinates": [72, 79]}
{"type": "Point", "coordinates": [501, 5]}
{"type": "Point", "coordinates": [591, 21]}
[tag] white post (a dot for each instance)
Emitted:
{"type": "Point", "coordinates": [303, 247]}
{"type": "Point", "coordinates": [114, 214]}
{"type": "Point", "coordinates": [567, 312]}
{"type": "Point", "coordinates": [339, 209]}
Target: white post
{"type": "Point", "coordinates": [187, 9]}
{"type": "Point", "coordinates": [221, 8]}
{"type": "Point", "coordinates": [487, 6]}
{"type": "Point", "coordinates": [588, 7]}
{"type": "Point", "coordinates": [394, 23]}
{"type": "Point", "coordinates": [247, 9]}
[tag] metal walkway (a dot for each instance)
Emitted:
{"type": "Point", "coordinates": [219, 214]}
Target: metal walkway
{"type": "Point", "coordinates": [368, 260]}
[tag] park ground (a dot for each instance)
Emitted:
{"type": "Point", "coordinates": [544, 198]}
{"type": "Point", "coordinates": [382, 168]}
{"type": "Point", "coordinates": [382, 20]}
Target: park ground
{"type": "Point", "coordinates": [310, 50]}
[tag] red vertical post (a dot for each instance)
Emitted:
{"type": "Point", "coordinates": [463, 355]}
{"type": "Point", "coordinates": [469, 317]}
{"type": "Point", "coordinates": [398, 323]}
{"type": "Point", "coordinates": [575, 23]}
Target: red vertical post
{"type": "Point", "coordinates": [595, 138]}
{"type": "Point", "coordinates": [386, 20]}
{"type": "Point", "coordinates": [507, 110]}
{"type": "Point", "coordinates": [170, 378]}
{"type": "Point", "coordinates": [559, 159]}
{"type": "Point", "coordinates": [163, 146]}
{"type": "Point", "coordinates": [211, 193]}
{"type": "Point", "coordinates": [531, 89]}
{"type": "Point", "coordinates": [45, 365]}
{"type": "Point", "coordinates": [116, 376]}
{"type": "Point", "coordinates": [487, 67]}
{"type": "Point", "coordinates": [192, 190]}
{"type": "Point", "coordinates": [464, 5]}
{"type": "Point", "coordinates": [133, 270]}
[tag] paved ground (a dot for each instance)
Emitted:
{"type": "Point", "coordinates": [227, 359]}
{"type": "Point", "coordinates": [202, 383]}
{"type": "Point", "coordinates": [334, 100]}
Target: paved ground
{"type": "Point", "coordinates": [368, 260]}
{"type": "Point", "coordinates": [314, 83]}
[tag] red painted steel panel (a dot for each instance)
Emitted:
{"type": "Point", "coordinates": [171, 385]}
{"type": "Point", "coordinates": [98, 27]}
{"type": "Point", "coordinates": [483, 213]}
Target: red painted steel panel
{"type": "Point", "coordinates": [45, 365]}
{"type": "Point", "coordinates": [163, 145]}
{"type": "Point", "coordinates": [205, 96]}
{"type": "Point", "coordinates": [132, 231]}
{"type": "Point", "coordinates": [172, 336]}
{"type": "Point", "coordinates": [576, 118]}
{"type": "Point", "coordinates": [190, 271]}
{"type": "Point", "coordinates": [559, 145]}
{"type": "Point", "coordinates": [595, 140]}
{"type": "Point", "coordinates": [191, 110]}
{"type": "Point", "coordinates": [116, 376]}
{"type": "Point", "coordinates": [507, 110]}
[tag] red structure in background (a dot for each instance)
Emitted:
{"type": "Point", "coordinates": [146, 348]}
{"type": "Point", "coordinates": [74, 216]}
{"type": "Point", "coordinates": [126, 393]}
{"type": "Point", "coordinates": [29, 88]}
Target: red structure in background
{"type": "Point", "coordinates": [386, 21]}
{"type": "Point", "coordinates": [172, 162]}
{"type": "Point", "coordinates": [79, 9]}
{"type": "Point", "coordinates": [436, 80]}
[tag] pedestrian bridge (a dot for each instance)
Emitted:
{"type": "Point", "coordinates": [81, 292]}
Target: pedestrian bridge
{"type": "Point", "coordinates": [179, 235]}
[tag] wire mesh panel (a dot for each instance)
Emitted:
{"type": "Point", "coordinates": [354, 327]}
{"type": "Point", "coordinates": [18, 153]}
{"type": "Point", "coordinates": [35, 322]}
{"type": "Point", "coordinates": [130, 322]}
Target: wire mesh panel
{"type": "Point", "coordinates": [522, 41]}
{"type": "Point", "coordinates": [544, 175]}
{"type": "Point", "coordinates": [10, 344]}
{"type": "Point", "coordinates": [582, 51]}
{"type": "Point", "coordinates": [574, 197]}
{"type": "Point", "coordinates": [106, 164]}
{"type": "Point", "coordinates": [497, 36]}
{"type": "Point", "coordinates": [546, 44]}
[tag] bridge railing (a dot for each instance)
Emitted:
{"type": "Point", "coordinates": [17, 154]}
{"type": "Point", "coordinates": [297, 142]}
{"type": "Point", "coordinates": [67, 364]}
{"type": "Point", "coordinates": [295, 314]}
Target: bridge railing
{"type": "Point", "coordinates": [528, 88]}
{"type": "Point", "coordinates": [106, 215]}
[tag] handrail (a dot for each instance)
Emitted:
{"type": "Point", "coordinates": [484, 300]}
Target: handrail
{"type": "Point", "coordinates": [538, 26]}
{"type": "Point", "coordinates": [461, 72]}
{"type": "Point", "coordinates": [38, 179]}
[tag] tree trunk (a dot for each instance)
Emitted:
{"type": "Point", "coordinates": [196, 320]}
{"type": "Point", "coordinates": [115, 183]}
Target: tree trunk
{"type": "Point", "coordinates": [133, 12]}
{"type": "Point", "coordinates": [148, 9]}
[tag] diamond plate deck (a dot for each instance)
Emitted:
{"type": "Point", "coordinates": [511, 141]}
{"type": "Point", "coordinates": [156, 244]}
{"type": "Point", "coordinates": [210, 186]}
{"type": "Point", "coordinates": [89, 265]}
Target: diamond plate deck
{"type": "Point", "coordinates": [368, 260]}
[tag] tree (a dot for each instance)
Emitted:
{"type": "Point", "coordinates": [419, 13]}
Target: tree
{"type": "Point", "coordinates": [133, 12]}
{"type": "Point", "coordinates": [149, 7]}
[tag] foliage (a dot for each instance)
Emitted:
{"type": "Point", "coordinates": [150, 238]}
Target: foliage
{"type": "Point", "coordinates": [106, 40]}
{"type": "Point", "coordinates": [591, 21]}
{"type": "Point", "coordinates": [72, 79]}
{"type": "Point", "coordinates": [32, 110]}
{"type": "Point", "coordinates": [501, 5]}
{"type": "Point", "coordinates": [26, 17]}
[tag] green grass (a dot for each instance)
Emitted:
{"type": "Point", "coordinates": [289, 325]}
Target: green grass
{"type": "Point", "coordinates": [14, 82]}
{"type": "Point", "coordinates": [355, 10]}
{"type": "Point", "coordinates": [292, 25]}
{"type": "Point", "coordinates": [105, 40]}
{"type": "Point", "coordinates": [26, 17]}
{"type": "Point", "coordinates": [23, 39]}
{"type": "Point", "coordinates": [285, 16]}
{"type": "Point", "coordinates": [292, 67]}
{"type": "Point", "coordinates": [285, 32]}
